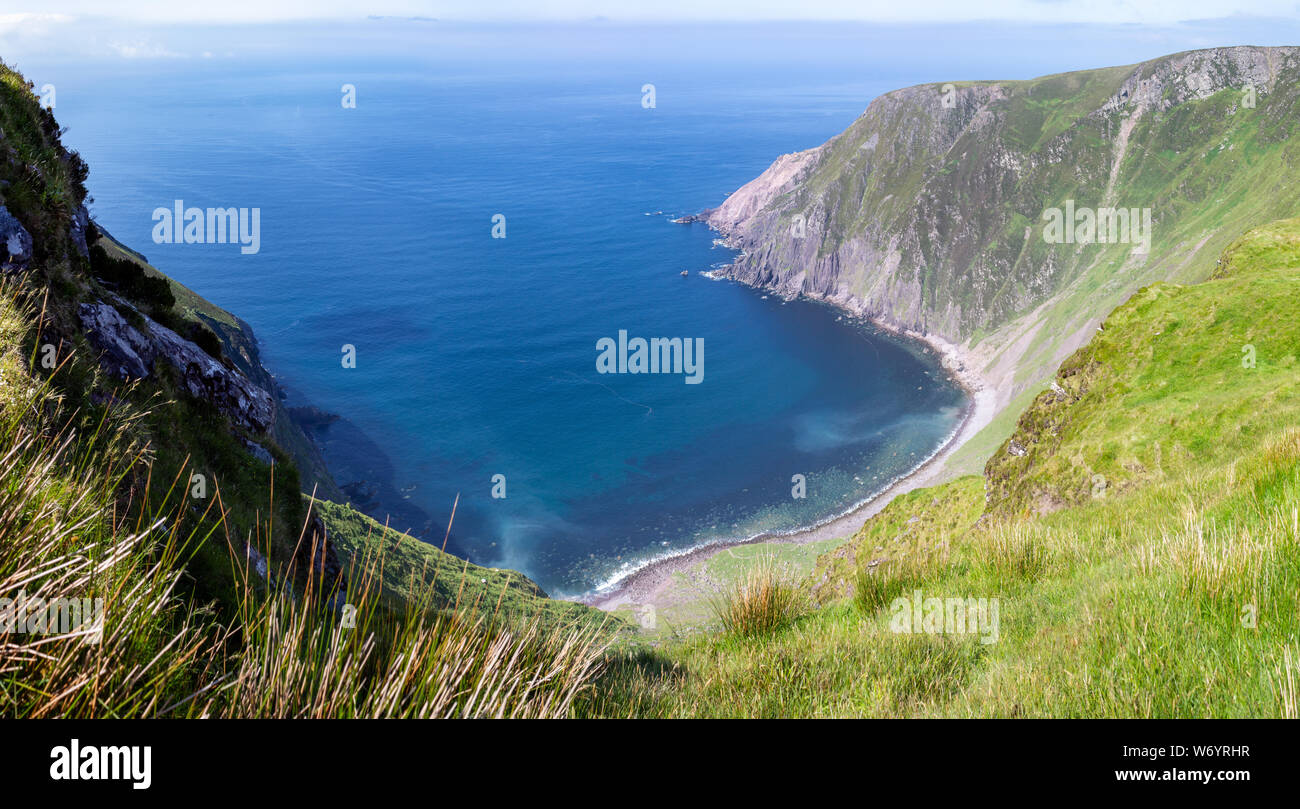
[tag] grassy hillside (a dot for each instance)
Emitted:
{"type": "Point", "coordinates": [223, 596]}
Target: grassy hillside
{"type": "Point", "coordinates": [1141, 535]}
{"type": "Point", "coordinates": [1179, 380]}
{"type": "Point", "coordinates": [409, 570]}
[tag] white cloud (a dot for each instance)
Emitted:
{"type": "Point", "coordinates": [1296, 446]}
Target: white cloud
{"type": "Point", "coordinates": [143, 50]}
{"type": "Point", "coordinates": [30, 22]}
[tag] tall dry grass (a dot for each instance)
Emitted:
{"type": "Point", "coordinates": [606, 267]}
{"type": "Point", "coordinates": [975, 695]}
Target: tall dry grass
{"type": "Point", "coordinates": [324, 651]}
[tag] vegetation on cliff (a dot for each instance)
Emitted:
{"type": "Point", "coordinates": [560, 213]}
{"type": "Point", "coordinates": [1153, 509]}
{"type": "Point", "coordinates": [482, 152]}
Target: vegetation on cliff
{"type": "Point", "coordinates": [927, 213]}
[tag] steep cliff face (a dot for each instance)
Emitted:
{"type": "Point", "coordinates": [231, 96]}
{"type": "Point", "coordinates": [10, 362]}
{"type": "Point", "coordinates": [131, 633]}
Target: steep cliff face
{"type": "Point", "coordinates": [131, 353]}
{"type": "Point", "coordinates": [928, 213]}
{"type": "Point", "coordinates": [241, 358]}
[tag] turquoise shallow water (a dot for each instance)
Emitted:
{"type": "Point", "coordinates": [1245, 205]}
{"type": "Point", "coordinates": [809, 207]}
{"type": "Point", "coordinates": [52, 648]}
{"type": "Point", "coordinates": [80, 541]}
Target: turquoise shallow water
{"type": "Point", "coordinates": [476, 357]}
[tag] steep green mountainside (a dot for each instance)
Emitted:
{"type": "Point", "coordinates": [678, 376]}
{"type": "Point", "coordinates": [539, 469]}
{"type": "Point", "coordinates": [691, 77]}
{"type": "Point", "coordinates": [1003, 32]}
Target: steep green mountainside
{"type": "Point", "coordinates": [1180, 379]}
{"type": "Point", "coordinates": [927, 213]}
{"type": "Point", "coordinates": [56, 274]}
{"type": "Point", "coordinates": [1139, 531]}
{"type": "Point", "coordinates": [204, 431]}
{"type": "Point", "coordinates": [408, 569]}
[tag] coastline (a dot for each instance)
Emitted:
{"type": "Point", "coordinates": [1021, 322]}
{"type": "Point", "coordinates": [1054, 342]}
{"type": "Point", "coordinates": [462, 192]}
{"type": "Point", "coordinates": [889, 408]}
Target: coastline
{"type": "Point", "coordinates": [644, 584]}
{"type": "Point", "coordinates": [361, 470]}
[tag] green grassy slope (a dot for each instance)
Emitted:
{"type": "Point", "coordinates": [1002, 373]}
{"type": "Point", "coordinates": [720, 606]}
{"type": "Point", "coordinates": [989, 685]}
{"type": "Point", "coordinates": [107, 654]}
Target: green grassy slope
{"type": "Point", "coordinates": [1163, 389]}
{"type": "Point", "coordinates": [1171, 590]}
{"type": "Point", "coordinates": [409, 569]}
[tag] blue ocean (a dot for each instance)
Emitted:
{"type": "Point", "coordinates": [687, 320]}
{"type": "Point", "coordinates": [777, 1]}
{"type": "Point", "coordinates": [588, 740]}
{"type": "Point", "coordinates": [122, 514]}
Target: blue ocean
{"type": "Point", "coordinates": [476, 357]}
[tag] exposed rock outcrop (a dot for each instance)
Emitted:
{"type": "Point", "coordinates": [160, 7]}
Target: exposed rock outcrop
{"type": "Point", "coordinates": [131, 353]}
{"type": "Point", "coordinates": [261, 453]}
{"type": "Point", "coordinates": [15, 244]}
{"type": "Point", "coordinates": [79, 230]}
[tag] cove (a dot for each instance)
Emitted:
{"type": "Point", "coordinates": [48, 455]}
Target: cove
{"type": "Point", "coordinates": [474, 354]}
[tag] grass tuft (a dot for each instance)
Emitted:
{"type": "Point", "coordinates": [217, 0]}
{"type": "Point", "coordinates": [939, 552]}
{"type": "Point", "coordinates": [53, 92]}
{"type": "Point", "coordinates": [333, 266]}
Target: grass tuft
{"type": "Point", "coordinates": [763, 601]}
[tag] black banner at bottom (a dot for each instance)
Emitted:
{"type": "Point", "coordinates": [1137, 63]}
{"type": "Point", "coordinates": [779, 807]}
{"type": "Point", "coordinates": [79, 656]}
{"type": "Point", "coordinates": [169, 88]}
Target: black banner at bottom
{"type": "Point", "coordinates": [143, 760]}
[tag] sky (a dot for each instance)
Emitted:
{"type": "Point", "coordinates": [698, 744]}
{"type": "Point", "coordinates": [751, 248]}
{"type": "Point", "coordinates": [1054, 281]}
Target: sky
{"type": "Point", "coordinates": [15, 13]}
{"type": "Point", "coordinates": [53, 39]}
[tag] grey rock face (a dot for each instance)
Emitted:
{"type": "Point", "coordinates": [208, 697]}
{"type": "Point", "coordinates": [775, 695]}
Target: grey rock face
{"type": "Point", "coordinates": [80, 222]}
{"type": "Point", "coordinates": [130, 353]}
{"type": "Point", "coordinates": [127, 353]}
{"type": "Point", "coordinates": [258, 451]}
{"type": "Point", "coordinates": [15, 244]}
